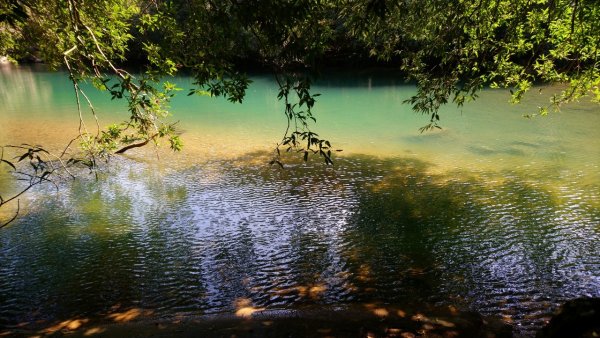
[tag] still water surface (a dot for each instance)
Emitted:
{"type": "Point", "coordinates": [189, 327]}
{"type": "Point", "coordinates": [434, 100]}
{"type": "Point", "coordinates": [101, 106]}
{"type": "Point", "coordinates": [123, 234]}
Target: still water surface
{"type": "Point", "coordinates": [495, 213]}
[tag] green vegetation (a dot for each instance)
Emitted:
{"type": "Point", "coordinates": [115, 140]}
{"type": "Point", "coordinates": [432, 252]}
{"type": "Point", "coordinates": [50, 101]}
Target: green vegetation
{"type": "Point", "coordinates": [451, 50]}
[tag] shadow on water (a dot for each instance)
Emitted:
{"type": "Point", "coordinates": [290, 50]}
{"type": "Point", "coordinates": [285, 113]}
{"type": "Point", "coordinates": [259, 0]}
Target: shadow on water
{"type": "Point", "coordinates": [485, 151]}
{"type": "Point", "coordinates": [362, 79]}
{"type": "Point", "coordinates": [222, 236]}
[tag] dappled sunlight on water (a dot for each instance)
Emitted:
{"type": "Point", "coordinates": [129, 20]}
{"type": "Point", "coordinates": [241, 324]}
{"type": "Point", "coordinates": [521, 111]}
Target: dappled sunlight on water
{"type": "Point", "coordinates": [86, 325]}
{"type": "Point", "coordinates": [244, 308]}
{"type": "Point", "coordinates": [469, 217]}
{"type": "Point", "coordinates": [257, 237]}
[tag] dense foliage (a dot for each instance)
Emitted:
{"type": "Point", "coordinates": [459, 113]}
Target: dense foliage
{"type": "Point", "coordinates": [450, 49]}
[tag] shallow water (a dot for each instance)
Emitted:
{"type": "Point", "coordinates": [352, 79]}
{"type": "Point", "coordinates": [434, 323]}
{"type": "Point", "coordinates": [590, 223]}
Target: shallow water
{"type": "Point", "coordinates": [494, 213]}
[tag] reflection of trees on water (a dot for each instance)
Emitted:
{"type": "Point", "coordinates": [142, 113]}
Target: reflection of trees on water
{"type": "Point", "coordinates": [500, 243]}
{"type": "Point", "coordinates": [14, 81]}
{"type": "Point", "coordinates": [371, 230]}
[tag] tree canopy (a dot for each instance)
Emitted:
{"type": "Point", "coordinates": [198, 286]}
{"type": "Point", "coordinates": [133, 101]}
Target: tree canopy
{"type": "Point", "coordinates": [450, 49]}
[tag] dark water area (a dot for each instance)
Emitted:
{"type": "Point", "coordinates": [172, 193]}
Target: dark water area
{"type": "Point", "coordinates": [196, 241]}
{"type": "Point", "coordinates": [502, 222]}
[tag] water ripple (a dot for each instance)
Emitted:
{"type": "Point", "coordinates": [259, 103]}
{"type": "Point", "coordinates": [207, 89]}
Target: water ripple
{"type": "Point", "coordinates": [197, 240]}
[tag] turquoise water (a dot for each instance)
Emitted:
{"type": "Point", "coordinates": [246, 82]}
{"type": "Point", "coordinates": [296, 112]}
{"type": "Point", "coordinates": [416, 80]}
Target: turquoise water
{"type": "Point", "coordinates": [495, 213]}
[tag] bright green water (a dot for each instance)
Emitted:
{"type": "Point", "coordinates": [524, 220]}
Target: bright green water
{"type": "Point", "coordinates": [494, 213]}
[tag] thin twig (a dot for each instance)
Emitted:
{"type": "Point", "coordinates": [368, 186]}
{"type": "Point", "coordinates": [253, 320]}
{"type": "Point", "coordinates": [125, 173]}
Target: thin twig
{"type": "Point", "coordinates": [14, 217]}
{"type": "Point", "coordinates": [92, 110]}
{"type": "Point", "coordinates": [17, 195]}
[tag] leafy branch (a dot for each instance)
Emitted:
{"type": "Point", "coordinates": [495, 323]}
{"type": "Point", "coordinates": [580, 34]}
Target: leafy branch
{"type": "Point", "coordinates": [33, 165]}
{"type": "Point", "coordinates": [147, 104]}
{"type": "Point", "coordinates": [298, 111]}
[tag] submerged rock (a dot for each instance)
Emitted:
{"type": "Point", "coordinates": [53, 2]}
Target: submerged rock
{"type": "Point", "coordinates": [576, 318]}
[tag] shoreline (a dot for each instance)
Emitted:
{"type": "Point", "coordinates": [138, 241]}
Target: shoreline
{"type": "Point", "coordinates": [368, 320]}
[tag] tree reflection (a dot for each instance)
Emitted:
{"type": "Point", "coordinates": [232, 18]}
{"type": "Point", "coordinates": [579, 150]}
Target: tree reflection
{"type": "Point", "coordinates": [388, 233]}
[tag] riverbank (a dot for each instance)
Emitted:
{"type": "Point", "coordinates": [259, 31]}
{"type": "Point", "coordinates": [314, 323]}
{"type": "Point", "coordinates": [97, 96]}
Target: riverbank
{"type": "Point", "coordinates": [366, 321]}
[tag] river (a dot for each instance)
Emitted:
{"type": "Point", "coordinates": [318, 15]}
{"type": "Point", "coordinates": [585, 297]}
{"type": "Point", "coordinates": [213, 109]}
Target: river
{"type": "Point", "coordinates": [494, 213]}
